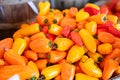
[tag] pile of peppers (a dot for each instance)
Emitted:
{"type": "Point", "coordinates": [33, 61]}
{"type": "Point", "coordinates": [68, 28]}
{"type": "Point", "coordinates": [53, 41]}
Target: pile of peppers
{"type": "Point", "coordinates": [72, 44]}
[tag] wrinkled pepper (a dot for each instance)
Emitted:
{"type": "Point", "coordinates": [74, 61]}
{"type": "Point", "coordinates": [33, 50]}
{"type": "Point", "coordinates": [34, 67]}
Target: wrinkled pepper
{"type": "Point", "coordinates": [99, 19]}
{"type": "Point", "coordinates": [44, 7]}
{"type": "Point", "coordinates": [88, 66]}
{"type": "Point", "coordinates": [62, 44]}
{"type": "Point", "coordinates": [88, 40]}
{"type": "Point", "coordinates": [82, 76]}
{"type": "Point", "coordinates": [50, 72]}
{"type": "Point", "coordinates": [75, 54]}
{"type": "Point", "coordinates": [31, 29]}
{"type": "Point", "coordinates": [55, 29]}
{"type": "Point", "coordinates": [91, 27]}
{"type": "Point", "coordinates": [19, 45]}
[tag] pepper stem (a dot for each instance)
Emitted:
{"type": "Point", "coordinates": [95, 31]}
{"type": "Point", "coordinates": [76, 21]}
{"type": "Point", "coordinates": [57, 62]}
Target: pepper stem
{"type": "Point", "coordinates": [42, 77]}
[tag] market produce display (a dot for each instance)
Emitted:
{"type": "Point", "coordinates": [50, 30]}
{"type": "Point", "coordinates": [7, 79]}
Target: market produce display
{"type": "Point", "coordinates": [72, 44]}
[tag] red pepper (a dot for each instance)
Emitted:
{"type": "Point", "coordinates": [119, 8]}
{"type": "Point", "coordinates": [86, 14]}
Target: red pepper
{"type": "Point", "coordinates": [44, 29]}
{"type": "Point", "coordinates": [91, 11]}
{"type": "Point", "coordinates": [102, 29]}
{"type": "Point", "coordinates": [104, 9]}
{"type": "Point", "coordinates": [114, 31]}
{"type": "Point", "coordinates": [76, 38]}
{"type": "Point", "coordinates": [106, 25]}
{"type": "Point", "coordinates": [66, 31]}
{"type": "Point", "coordinates": [50, 36]}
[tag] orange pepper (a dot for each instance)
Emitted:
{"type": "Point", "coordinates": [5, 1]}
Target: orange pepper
{"type": "Point", "coordinates": [38, 46]}
{"type": "Point", "coordinates": [110, 67]}
{"type": "Point", "coordinates": [42, 20]}
{"type": "Point", "coordinates": [5, 44]}
{"type": "Point", "coordinates": [13, 58]}
{"type": "Point", "coordinates": [67, 71]}
{"type": "Point", "coordinates": [66, 13]}
{"type": "Point", "coordinates": [56, 56]}
{"type": "Point", "coordinates": [67, 21]}
{"type": "Point", "coordinates": [73, 11]}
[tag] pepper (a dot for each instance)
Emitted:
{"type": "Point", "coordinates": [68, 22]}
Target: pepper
{"type": "Point", "coordinates": [31, 29]}
{"type": "Point", "coordinates": [50, 72]}
{"type": "Point", "coordinates": [88, 40]}
{"type": "Point", "coordinates": [23, 72]}
{"type": "Point", "coordinates": [43, 7]}
{"type": "Point", "coordinates": [63, 44]}
{"type": "Point", "coordinates": [81, 16]}
{"type": "Point", "coordinates": [76, 38]}
{"type": "Point", "coordinates": [67, 71]}
{"type": "Point", "coordinates": [117, 26]}
{"type": "Point", "coordinates": [99, 19]}
{"type": "Point", "coordinates": [104, 9]}
{"type": "Point", "coordinates": [93, 6]}
{"type": "Point", "coordinates": [35, 68]}
{"type": "Point", "coordinates": [109, 68]}
{"type": "Point", "coordinates": [55, 29]}
{"type": "Point", "coordinates": [19, 45]}
{"type": "Point", "coordinates": [75, 54]}
{"type": "Point", "coordinates": [91, 10]}
{"type": "Point", "coordinates": [96, 56]}
{"type": "Point", "coordinates": [56, 56]}
{"type": "Point", "coordinates": [112, 18]}
{"type": "Point", "coordinates": [88, 66]}
{"type": "Point", "coordinates": [114, 54]}
{"type": "Point", "coordinates": [114, 31]}
{"type": "Point", "coordinates": [13, 58]}
{"type": "Point", "coordinates": [42, 20]}
{"type": "Point", "coordinates": [106, 25]}
{"type": "Point", "coordinates": [66, 31]}
{"type": "Point", "coordinates": [91, 27]}
{"type": "Point", "coordinates": [38, 46]}
{"type": "Point", "coordinates": [82, 76]}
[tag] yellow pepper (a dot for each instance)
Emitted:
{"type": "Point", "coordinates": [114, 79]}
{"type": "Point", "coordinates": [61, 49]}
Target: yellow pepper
{"type": "Point", "coordinates": [75, 54]}
{"type": "Point", "coordinates": [112, 18]}
{"type": "Point", "coordinates": [91, 27]}
{"type": "Point", "coordinates": [82, 76]}
{"type": "Point", "coordinates": [99, 19]}
{"type": "Point", "coordinates": [88, 40]}
{"type": "Point", "coordinates": [117, 26]}
{"type": "Point", "coordinates": [88, 66]}
{"type": "Point", "coordinates": [34, 67]}
{"type": "Point", "coordinates": [63, 44]}
{"type": "Point", "coordinates": [81, 16]}
{"type": "Point", "coordinates": [105, 48]}
{"type": "Point", "coordinates": [19, 45]}
{"type": "Point", "coordinates": [55, 29]}
{"type": "Point", "coordinates": [50, 72]}
{"type": "Point", "coordinates": [31, 29]}
{"type": "Point", "coordinates": [96, 56]}
{"type": "Point", "coordinates": [92, 5]}
{"type": "Point", "coordinates": [44, 7]}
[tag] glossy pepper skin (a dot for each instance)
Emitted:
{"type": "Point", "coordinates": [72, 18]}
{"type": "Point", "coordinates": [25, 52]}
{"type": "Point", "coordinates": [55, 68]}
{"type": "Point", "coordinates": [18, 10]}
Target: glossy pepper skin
{"type": "Point", "coordinates": [50, 72]}
{"type": "Point", "coordinates": [55, 29]}
{"type": "Point", "coordinates": [75, 54]}
{"type": "Point", "coordinates": [99, 19]}
{"type": "Point", "coordinates": [29, 30]}
{"type": "Point", "coordinates": [82, 76]}
{"type": "Point", "coordinates": [63, 44]}
{"type": "Point", "coordinates": [88, 40]}
{"type": "Point", "coordinates": [91, 27]}
{"type": "Point", "coordinates": [44, 7]}
{"type": "Point", "coordinates": [19, 45]}
{"type": "Point", "coordinates": [88, 66]}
